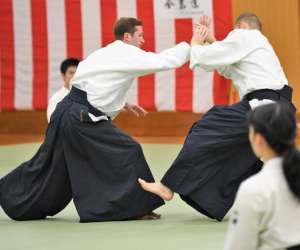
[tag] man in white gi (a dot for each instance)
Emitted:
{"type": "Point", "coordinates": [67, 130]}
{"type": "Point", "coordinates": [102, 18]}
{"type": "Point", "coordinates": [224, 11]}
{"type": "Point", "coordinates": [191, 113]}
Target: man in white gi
{"type": "Point", "coordinates": [67, 69]}
{"type": "Point", "coordinates": [216, 156]}
{"type": "Point", "coordinates": [84, 155]}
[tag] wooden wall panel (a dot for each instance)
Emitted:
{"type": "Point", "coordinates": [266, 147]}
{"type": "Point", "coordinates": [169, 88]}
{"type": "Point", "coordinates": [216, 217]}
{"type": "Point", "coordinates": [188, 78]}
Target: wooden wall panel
{"type": "Point", "coordinates": [156, 124]}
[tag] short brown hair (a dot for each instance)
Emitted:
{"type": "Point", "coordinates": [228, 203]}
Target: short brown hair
{"type": "Point", "coordinates": [126, 25]}
{"type": "Point", "coordinates": [251, 19]}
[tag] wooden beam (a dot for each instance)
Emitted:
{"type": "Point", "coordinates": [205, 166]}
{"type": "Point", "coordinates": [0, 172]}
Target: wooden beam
{"type": "Point", "coordinates": [155, 124]}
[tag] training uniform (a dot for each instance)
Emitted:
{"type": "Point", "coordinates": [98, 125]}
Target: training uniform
{"type": "Point", "coordinates": [84, 155]}
{"type": "Point", "coordinates": [216, 156]}
{"type": "Point", "coordinates": [266, 215]}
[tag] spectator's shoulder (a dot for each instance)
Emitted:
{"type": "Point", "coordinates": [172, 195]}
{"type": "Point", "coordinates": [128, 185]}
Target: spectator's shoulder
{"type": "Point", "coordinates": [59, 95]}
{"type": "Point", "coordinates": [254, 185]}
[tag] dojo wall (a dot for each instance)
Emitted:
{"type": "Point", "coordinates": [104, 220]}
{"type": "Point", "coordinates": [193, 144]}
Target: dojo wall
{"type": "Point", "coordinates": [281, 24]}
{"type": "Point", "coordinates": [281, 21]}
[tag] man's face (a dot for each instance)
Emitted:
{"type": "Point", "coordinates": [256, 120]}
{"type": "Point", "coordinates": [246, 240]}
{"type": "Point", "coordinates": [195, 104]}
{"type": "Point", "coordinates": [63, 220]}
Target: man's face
{"type": "Point", "coordinates": [137, 39]}
{"type": "Point", "coordinates": [68, 75]}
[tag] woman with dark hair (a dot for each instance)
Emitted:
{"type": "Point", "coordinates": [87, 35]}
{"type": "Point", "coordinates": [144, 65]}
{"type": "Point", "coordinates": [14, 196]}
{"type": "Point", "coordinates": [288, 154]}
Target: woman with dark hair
{"type": "Point", "coordinates": [266, 214]}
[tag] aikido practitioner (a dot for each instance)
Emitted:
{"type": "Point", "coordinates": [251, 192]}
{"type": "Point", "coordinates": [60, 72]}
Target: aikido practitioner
{"type": "Point", "coordinates": [84, 156]}
{"type": "Point", "coordinates": [216, 156]}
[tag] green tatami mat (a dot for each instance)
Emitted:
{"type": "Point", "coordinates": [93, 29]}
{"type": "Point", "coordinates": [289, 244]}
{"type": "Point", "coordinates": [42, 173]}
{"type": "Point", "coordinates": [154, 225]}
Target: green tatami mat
{"type": "Point", "coordinates": [179, 228]}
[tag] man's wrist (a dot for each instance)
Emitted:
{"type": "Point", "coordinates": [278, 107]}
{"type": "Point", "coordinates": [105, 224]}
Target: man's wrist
{"type": "Point", "coordinates": [211, 39]}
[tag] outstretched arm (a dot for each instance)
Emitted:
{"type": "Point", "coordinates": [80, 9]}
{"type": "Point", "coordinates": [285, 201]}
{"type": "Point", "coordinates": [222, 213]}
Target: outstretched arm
{"type": "Point", "coordinates": [220, 53]}
{"type": "Point", "coordinates": [206, 22]}
{"type": "Point", "coordinates": [144, 63]}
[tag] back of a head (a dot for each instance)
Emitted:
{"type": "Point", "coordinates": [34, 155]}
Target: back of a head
{"type": "Point", "coordinates": [251, 19]}
{"type": "Point", "coordinates": [126, 25]}
{"type": "Point", "coordinates": [68, 63]}
{"type": "Point", "coordinates": [276, 122]}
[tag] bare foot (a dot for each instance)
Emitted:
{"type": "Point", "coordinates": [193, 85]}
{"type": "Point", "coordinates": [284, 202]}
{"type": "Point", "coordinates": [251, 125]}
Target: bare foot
{"type": "Point", "coordinates": [150, 216]}
{"type": "Point", "coordinates": [157, 188]}
{"type": "Point", "coordinates": [155, 215]}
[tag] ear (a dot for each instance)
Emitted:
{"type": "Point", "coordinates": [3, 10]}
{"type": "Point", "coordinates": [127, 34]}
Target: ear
{"type": "Point", "coordinates": [244, 25]}
{"type": "Point", "coordinates": [126, 37]}
{"type": "Point", "coordinates": [260, 140]}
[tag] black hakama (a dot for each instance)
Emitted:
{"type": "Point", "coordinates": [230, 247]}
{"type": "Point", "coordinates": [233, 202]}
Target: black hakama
{"type": "Point", "coordinates": [217, 156]}
{"type": "Point", "coordinates": [95, 163]}
{"type": "Point", "coordinates": [294, 248]}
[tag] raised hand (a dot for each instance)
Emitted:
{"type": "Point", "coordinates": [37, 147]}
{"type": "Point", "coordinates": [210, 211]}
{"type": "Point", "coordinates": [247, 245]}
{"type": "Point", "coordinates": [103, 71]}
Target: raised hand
{"type": "Point", "coordinates": [206, 21]}
{"type": "Point", "coordinates": [199, 35]}
{"type": "Point", "coordinates": [135, 109]}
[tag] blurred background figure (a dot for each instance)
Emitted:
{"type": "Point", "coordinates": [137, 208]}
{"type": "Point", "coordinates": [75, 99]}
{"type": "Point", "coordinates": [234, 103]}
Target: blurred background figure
{"type": "Point", "coordinates": [67, 68]}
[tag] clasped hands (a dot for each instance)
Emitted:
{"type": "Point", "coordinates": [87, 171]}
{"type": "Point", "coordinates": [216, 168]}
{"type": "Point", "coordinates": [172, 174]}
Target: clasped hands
{"type": "Point", "coordinates": [202, 33]}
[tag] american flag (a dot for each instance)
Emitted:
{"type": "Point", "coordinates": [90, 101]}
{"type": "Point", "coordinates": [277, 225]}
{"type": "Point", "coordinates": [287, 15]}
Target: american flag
{"type": "Point", "coordinates": [36, 35]}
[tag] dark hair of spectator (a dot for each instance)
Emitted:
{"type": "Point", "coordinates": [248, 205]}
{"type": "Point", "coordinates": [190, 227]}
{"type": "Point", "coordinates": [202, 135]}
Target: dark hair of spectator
{"type": "Point", "coordinates": [68, 63]}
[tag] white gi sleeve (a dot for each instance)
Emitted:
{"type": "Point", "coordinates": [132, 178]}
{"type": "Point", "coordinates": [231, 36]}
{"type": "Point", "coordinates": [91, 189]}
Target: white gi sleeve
{"type": "Point", "coordinates": [245, 221]}
{"type": "Point", "coordinates": [225, 71]}
{"type": "Point", "coordinates": [51, 107]}
{"type": "Point", "coordinates": [147, 62]}
{"type": "Point", "coordinates": [221, 53]}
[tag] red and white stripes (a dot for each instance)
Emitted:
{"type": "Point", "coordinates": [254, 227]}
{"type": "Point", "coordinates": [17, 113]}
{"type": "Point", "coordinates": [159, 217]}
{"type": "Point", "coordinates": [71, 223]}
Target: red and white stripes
{"type": "Point", "coordinates": [222, 24]}
{"type": "Point", "coordinates": [7, 53]}
{"type": "Point", "coordinates": [23, 44]}
{"type": "Point", "coordinates": [36, 35]}
{"type": "Point", "coordinates": [57, 45]}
